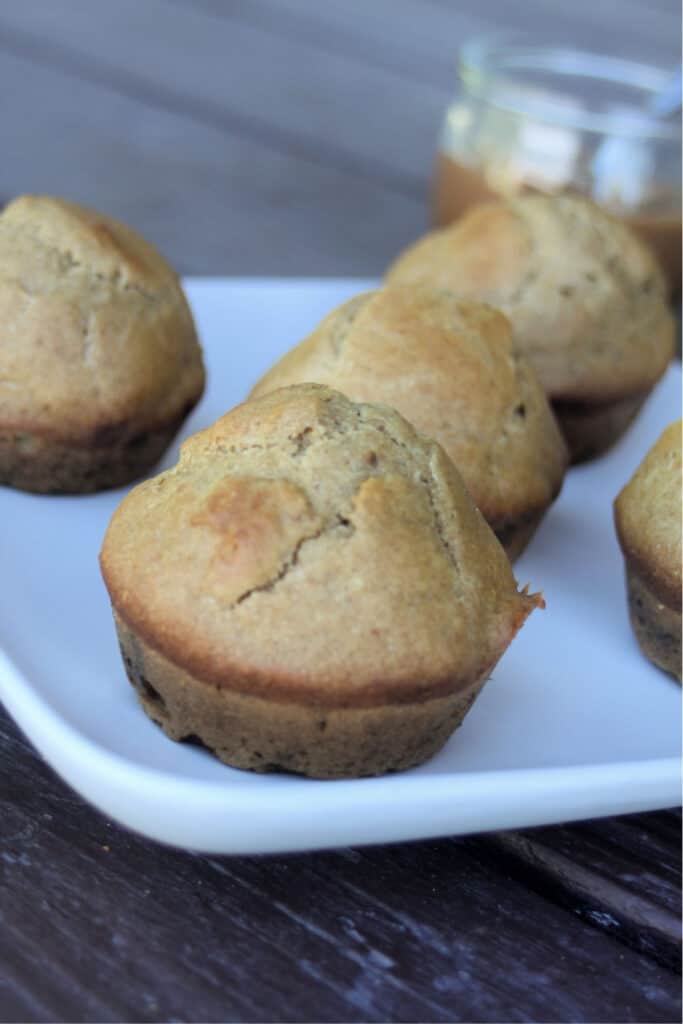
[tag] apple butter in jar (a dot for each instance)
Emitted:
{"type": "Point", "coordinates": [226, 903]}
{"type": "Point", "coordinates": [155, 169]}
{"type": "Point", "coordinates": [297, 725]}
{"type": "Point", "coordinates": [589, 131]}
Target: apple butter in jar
{"type": "Point", "coordinates": [535, 117]}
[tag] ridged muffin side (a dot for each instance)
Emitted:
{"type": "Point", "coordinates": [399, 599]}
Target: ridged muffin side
{"type": "Point", "coordinates": [647, 515]}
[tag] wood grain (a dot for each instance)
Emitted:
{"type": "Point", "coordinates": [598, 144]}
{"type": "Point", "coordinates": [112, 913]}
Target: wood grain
{"type": "Point", "coordinates": [142, 163]}
{"type": "Point", "coordinates": [229, 86]}
{"type": "Point", "coordinates": [617, 874]}
{"type": "Point", "coordinates": [116, 928]}
{"type": "Point", "coordinates": [421, 38]}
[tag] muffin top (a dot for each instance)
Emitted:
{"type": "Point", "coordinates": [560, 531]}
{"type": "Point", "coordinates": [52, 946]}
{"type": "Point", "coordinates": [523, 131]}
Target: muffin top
{"type": "Point", "coordinates": [95, 331]}
{"type": "Point", "coordinates": [648, 516]}
{"type": "Point", "coordinates": [586, 298]}
{"type": "Point", "coordinates": [449, 367]}
{"type": "Point", "coordinates": [306, 548]}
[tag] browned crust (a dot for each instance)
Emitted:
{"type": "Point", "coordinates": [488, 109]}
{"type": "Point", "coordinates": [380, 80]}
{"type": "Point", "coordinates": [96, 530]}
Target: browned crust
{"type": "Point", "coordinates": [42, 465]}
{"type": "Point", "coordinates": [666, 590]}
{"type": "Point", "coordinates": [250, 732]}
{"type": "Point", "coordinates": [586, 297]}
{"type": "Point", "coordinates": [591, 428]}
{"type": "Point", "coordinates": [286, 687]}
{"type": "Point", "coordinates": [657, 626]}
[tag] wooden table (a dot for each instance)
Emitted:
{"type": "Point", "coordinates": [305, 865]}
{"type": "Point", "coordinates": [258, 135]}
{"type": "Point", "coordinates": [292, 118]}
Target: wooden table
{"type": "Point", "coordinates": [294, 137]}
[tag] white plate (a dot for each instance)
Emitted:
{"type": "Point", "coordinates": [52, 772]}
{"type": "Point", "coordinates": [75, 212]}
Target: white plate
{"type": "Point", "coordinates": [574, 723]}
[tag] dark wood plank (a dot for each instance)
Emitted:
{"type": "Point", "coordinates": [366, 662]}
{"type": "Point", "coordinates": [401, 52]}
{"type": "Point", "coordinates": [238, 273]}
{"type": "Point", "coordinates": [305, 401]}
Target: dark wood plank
{"type": "Point", "coordinates": [212, 202]}
{"type": "Point", "coordinates": [634, 852]}
{"type": "Point", "coordinates": [17, 1004]}
{"type": "Point", "coordinates": [650, 30]}
{"type": "Point", "coordinates": [397, 37]}
{"type": "Point", "coordinates": [99, 924]}
{"type": "Point", "coordinates": [615, 874]}
{"type": "Point", "coordinates": [421, 37]}
{"type": "Point", "coordinates": [344, 113]}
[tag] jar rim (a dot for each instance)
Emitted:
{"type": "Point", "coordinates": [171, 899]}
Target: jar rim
{"type": "Point", "coordinates": [489, 68]}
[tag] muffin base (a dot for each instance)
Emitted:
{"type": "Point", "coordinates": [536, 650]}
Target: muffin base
{"type": "Point", "coordinates": [590, 428]}
{"type": "Point", "coordinates": [32, 463]}
{"type": "Point", "coordinates": [515, 534]}
{"type": "Point", "coordinates": [264, 736]}
{"type": "Point", "coordinates": [657, 626]}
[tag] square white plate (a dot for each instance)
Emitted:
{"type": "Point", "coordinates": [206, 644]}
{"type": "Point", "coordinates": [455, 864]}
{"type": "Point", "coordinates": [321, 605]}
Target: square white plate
{"type": "Point", "coordinates": [574, 723]}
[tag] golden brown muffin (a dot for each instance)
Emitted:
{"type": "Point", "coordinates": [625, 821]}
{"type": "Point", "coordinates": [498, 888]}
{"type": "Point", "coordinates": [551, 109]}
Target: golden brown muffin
{"type": "Point", "coordinates": [99, 358]}
{"type": "Point", "coordinates": [449, 367]}
{"type": "Point", "coordinates": [309, 589]}
{"type": "Point", "coordinates": [647, 514]}
{"type": "Point", "coordinates": [586, 298]}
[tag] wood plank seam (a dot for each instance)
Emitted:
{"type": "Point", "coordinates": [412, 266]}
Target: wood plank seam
{"type": "Point", "coordinates": [638, 923]}
{"type": "Point", "coordinates": [270, 135]}
{"type": "Point", "coordinates": [312, 29]}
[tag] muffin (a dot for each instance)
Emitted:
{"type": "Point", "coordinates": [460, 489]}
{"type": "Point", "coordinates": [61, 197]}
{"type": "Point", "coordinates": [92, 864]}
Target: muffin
{"type": "Point", "coordinates": [310, 589]}
{"type": "Point", "coordinates": [647, 515]}
{"type": "Point", "coordinates": [449, 367]}
{"type": "Point", "coordinates": [586, 298]}
{"type": "Point", "coordinates": [99, 358]}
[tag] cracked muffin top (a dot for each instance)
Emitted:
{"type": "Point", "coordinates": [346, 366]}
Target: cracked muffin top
{"type": "Point", "coordinates": [450, 368]}
{"type": "Point", "coordinates": [95, 331]}
{"type": "Point", "coordinates": [309, 548]}
{"type": "Point", "coordinates": [587, 299]}
{"type": "Point", "coordinates": [648, 516]}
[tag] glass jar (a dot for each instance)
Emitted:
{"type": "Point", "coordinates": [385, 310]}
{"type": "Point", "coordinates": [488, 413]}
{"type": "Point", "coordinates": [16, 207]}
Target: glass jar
{"type": "Point", "coordinates": [530, 117]}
